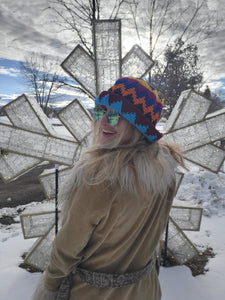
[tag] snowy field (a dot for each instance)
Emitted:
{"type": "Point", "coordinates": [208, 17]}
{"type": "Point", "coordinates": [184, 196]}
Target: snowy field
{"type": "Point", "coordinates": [199, 188]}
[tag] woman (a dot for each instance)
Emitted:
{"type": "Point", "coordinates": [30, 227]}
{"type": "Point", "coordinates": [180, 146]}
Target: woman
{"type": "Point", "coordinates": [117, 204]}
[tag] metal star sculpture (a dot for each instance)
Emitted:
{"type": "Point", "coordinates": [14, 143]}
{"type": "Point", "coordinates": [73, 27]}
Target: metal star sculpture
{"type": "Point", "coordinates": [100, 73]}
{"type": "Point", "coordinates": [25, 112]}
{"type": "Point", "coordinates": [29, 126]}
{"type": "Point", "coordinates": [181, 218]}
{"type": "Point", "coordinates": [31, 139]}
{"type": "Point", "coordinates": [94, 75]}
{"type": "Point", "coordinates": [195, 131]}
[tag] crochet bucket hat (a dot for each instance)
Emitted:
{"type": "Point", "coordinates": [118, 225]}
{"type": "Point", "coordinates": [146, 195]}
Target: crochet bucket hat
{"type": "Point", "coordinates": [137, 102]}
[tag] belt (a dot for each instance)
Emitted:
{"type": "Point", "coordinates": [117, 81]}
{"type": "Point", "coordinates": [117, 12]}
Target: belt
{"type": "Point", "coordinates": [107, 280]}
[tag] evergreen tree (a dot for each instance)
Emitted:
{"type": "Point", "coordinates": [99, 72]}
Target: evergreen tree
{"type": "Point", "coordinates": [177, 73]}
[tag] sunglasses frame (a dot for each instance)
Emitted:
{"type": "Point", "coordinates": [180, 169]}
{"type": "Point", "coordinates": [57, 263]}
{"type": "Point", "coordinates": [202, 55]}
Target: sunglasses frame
{"type": "Point", "coordinates": [110, 114]}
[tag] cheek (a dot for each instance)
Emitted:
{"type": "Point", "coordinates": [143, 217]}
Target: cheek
{"type": "Point", "coordinates": [127, 136]}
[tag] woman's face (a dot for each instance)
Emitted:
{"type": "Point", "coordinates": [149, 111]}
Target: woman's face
{"type": "Point", "coordinates": [109, 133]}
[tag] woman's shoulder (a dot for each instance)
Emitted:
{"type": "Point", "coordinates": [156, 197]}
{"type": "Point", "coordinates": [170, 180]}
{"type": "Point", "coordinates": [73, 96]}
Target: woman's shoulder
{"type": "Point", "coordinates": [93, 193]}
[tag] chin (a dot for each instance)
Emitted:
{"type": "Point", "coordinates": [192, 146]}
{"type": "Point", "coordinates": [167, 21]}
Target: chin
{"type": "Point", "coordinates": [109, 142]}
{"type": "Point", "coordinates": [107, 139]}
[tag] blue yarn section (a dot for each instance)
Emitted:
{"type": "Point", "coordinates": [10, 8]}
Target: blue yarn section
{"type": "Point", "coordinates": [131, 117]}
{"type": "Point", "coordinates": [117, 106]}
{"type": "Point", "coordinates": [97, 100]}
{"type": "Point", "coordinates": [151, 138]}
{"type": "Point", "coordinates": [141, 128]}
{"type": "Point", "coordinates": [104, 100]}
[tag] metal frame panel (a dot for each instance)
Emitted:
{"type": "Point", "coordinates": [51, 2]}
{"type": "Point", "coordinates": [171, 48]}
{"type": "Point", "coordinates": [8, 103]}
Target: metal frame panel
{"type": "Point", "coordinates": [107, 50]}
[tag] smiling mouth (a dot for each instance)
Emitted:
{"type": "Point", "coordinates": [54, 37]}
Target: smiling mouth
{"type": "Point", "coordinates": [107, 132]}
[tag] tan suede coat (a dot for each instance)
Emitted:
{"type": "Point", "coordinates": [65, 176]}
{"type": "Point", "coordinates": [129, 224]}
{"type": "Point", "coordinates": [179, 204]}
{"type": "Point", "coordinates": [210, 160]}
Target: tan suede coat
{"type": "Point", "coordinates": [109, 230]}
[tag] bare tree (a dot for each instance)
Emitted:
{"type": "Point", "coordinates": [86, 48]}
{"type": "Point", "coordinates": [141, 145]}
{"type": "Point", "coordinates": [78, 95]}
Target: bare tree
{"type": "Point", "coordinates": [165, 21]}
{"type": "Point", "coordinates": [183, 24]}
{"type": "Point", "coordinates": [77, 16]}
{"type": "Point", "coordinates": [41, 77]}
{"type": "Point", "coordinates": [156, 23]}
{"type": "Point", "coordinates": [45, 78]}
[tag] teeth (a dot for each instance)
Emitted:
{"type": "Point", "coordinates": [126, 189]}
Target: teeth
{"type": "Point", "coordinates": [107, 131]}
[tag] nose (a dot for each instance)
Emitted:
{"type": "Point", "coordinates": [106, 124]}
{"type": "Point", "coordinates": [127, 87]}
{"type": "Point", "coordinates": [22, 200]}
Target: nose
{"type": "Point", "coordinates": [104, 120]}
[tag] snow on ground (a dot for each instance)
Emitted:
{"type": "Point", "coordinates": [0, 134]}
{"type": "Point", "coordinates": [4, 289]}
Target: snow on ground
{"type": "Point", "coordinates": [16, 283]}
{"type": "Point", "coordinates": [176, 282]}
{"type": "Point", "coordinates": [199, 188]}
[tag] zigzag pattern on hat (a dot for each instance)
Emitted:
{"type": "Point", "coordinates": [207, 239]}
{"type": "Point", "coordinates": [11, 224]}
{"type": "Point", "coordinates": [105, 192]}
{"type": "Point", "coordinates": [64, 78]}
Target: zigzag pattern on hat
{"type": "Point", "coordinates": [137, 102]}
{"type": "Point", "coordinates": [144, 97]}
{"type": "Point", "coordinates": [127, 110]}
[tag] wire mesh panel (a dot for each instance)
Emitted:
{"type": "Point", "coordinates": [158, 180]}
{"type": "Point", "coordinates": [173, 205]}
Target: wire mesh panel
{"type": "Point", "coordinates": [107, 46]}
{"type": "Point", "coordinates": [47, 180]}
{"type": "Point", "coordinates": [39, 255]}
{"type": "Point", "coordinates": [37, 224]}
{"type": "Point", "coordinates": [12, 165]}
{"type": "Point", "coordinates": [24, 112]}
{"type": "Point", "coordinates": [175, 112]}
{"type": "Point", "coordinates": [32, 139]}
{"type": "Point", "coordinates": [216, 125]}
{"type": "Point", "coordinates": [194, 109]}
{"type": "Point", "coordinates": [187, 218]}
{"type": "Point", "coordinates": [193, 130]}
{"type": "Point", "coordinates": [60, 151]}
{"type": "Point", "coordinates": [5, 133]}
{"type": "Point", "coordinates": [76, 119]}
{"type": "Point", "coordinates": [208, 156]}
{"type": "Point", "coordinates": [37, 145]}
{"type": "Point", "coordinates": [179, 177]}
{"type": "Point", "coordinates": [193, 136]}
{"type": "Point", "coordinates": [136, 63]}
{"type": "Point", "coordinates": [202, 133]}
{"type": "Point", "coordinates": [80, 66]}
{"type": "Point", "coordinates": [179, 245]}
{"type": "Point", "coordinates": [190, 108]}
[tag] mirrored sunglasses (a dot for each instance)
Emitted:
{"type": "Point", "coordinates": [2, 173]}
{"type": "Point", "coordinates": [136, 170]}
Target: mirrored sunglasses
{"type": "Point", "coordinates": [112, 115]}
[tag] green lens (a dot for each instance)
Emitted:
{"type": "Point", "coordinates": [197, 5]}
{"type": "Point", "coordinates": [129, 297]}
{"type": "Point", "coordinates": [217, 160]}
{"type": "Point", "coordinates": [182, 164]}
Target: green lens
{"type": "Point", "coordinates": [113, 117]}
{"type": "Point", "coordinates": [98, 113]}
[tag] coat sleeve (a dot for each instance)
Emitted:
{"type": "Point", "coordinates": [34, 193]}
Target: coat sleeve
{"type": "Point", "coordinates": [88, 207]}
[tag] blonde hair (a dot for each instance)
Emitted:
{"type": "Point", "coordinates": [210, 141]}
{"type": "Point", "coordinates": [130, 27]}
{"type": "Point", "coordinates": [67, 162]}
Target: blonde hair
{"type": "Point", "coordinates": [138, 166]}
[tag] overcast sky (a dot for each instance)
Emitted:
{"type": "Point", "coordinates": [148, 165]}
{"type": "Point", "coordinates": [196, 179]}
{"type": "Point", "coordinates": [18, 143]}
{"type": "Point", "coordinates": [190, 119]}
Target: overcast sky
{"type": "Point", "coordinates": [27, 26]}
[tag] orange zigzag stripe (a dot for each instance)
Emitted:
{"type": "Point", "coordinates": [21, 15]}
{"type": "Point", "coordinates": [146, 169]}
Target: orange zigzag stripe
{"type": "Point", "coordinates": [132, 91]}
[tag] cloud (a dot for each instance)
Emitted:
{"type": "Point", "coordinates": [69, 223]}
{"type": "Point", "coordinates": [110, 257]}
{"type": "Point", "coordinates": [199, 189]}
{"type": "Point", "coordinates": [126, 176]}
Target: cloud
{"type": "Point", "coordinates": [215, 85]}
{"type": "Point", "coordinates": [25, 27]}
{"type": "Point", "coordinates": [29, 26]}
{"type": "Point", "coordinates": [5, 98]}
{"type": "Point", "coordinates": [215, 4]}
{"type": "Point", "coordinates": [9, 71]}
{"type": "Point", "coordinates": [212, 56]}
